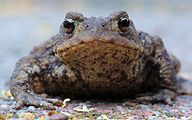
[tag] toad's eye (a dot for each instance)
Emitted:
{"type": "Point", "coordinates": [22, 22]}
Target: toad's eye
{"type": "Point", "coordinates": [123, 24]}
{"type": "Point", "coordinates": [69, 25]}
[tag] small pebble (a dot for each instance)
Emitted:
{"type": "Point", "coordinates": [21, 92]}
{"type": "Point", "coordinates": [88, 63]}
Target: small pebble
{"type": "Point", "coordinates": [120, 108]}
{"type": "Point", "coordinates": [70, 111]}
{"type": "Point", "coordinates": [129, 111]}
{"type": "Point", "coordinates": [165, 109]}
{"type": "Point", "coordinates": [167, 106]}
{"type": "Point", "coordinates": [1, 112]}
{"type": "Point", "coordinates": [4, 103]}
{"type": "Point", "coordinates": [174, 110]}
{"type": "Point", "coordinates": [20, 111]}
{"type": "Point", "coordinates": [8, 99]}
{"type": "Point", "coordinates": [183, 111]}
{"type": "Point", "coordinates": [4, 106]}
{"type": "Point", "coordinates": [45, 112]}
{"type": "Point", "coordinates": [143, 106]}
{"type": "Point", "coordinates": [135, 117]}
{"type": "Point", "coordinates": [59, 117]}
{"type": "Point", "coordinates": [157, 113]}
{"type": "Point", "coordinates": [14, 102]}
{"type": "Point", "coordinates": [164, 116]}
{"type": "Point", "coordinates": [59, 111]}
{"type": "Point", "coordinates": [151, 117]}
{"type": "Point", "coordinates": [159, 109]}
{"type": "Point", "coordinates": [31, 108]}
{"type": "Point", "coordinates": [12, 107]}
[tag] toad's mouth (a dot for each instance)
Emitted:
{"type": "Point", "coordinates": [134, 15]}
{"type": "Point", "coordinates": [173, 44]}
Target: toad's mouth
{"type": "Point", "coordinates": [97, 52]}
{"type": "Point", "coordinates": [68, 45]}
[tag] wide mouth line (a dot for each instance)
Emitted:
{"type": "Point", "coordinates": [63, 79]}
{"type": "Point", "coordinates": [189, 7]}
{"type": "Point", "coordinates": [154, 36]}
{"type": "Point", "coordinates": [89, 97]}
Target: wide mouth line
{"type": "Point", "coordinates": [96, 41]}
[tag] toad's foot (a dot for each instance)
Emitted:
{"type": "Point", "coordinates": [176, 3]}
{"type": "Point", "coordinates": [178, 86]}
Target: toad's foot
{"type": "Point", "coordinates": [37, 101]}
{"type": "Point", "coordinates": [163, 95]}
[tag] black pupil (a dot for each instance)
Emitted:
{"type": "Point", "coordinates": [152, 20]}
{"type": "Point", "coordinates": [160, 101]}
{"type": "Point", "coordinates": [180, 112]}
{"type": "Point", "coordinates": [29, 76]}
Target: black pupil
{"type": "Point", "coordinates": [68, 24]}
{"type": "Point", "coordinates": [124, 22]}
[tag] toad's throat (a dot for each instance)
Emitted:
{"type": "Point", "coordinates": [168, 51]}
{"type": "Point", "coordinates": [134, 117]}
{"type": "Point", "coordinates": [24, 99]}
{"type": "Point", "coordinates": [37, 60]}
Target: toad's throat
{"type": "Point", "coordinates": [98, 56]}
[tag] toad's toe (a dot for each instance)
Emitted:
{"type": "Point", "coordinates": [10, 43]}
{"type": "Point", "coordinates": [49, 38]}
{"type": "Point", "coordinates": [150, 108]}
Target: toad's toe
{"type": "Point", "coordinates": [163, 95]}
{"type": "Point", "coordinates": [37, 101]}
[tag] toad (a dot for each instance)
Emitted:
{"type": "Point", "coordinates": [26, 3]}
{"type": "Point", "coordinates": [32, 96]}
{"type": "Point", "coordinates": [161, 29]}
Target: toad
{"type": "Point", "coordinates": [102, 57]}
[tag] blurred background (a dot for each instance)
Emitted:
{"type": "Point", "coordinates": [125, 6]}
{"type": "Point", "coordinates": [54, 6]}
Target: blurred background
{"type": "Point", "coordinates": [26, 23]}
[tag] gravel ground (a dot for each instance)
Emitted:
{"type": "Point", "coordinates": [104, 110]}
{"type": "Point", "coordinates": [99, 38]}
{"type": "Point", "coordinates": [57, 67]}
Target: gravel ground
{"type": "Point", "coordinates": [181, 109]}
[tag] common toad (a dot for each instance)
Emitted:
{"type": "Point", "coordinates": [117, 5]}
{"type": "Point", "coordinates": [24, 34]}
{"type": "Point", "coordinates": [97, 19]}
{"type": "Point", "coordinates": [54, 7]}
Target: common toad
{"type": "Point", "coordinates": [96, 58]}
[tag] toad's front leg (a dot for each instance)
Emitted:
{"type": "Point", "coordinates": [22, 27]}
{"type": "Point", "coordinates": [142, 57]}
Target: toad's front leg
{"type": "Point", "coordinates": [165, 65]}
{"type": "Point", "coordinates": [166, 68]}
{"type": "Point", "coordinates": [20, 88]}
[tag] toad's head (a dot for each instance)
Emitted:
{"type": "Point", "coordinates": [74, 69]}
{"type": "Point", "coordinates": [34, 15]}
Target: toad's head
{"type": "Point", "coordinates": [95, 42]}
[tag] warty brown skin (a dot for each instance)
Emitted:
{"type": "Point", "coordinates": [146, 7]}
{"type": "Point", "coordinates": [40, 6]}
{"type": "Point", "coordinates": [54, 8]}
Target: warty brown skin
{"type": "Point", "coordinates": [99, 57]}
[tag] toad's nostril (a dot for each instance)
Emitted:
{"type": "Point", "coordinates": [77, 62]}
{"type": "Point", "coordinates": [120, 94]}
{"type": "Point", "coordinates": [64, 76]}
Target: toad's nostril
{"type": "Point", "coordinates": [86, 26]}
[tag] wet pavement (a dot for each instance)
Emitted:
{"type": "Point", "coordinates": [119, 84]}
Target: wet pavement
{"type": "Point", "coordinates": [24, 24]}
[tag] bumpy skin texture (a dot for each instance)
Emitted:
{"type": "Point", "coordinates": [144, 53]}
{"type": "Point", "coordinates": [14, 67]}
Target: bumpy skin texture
{"type": "Point", "coordinates": [97, 60]}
